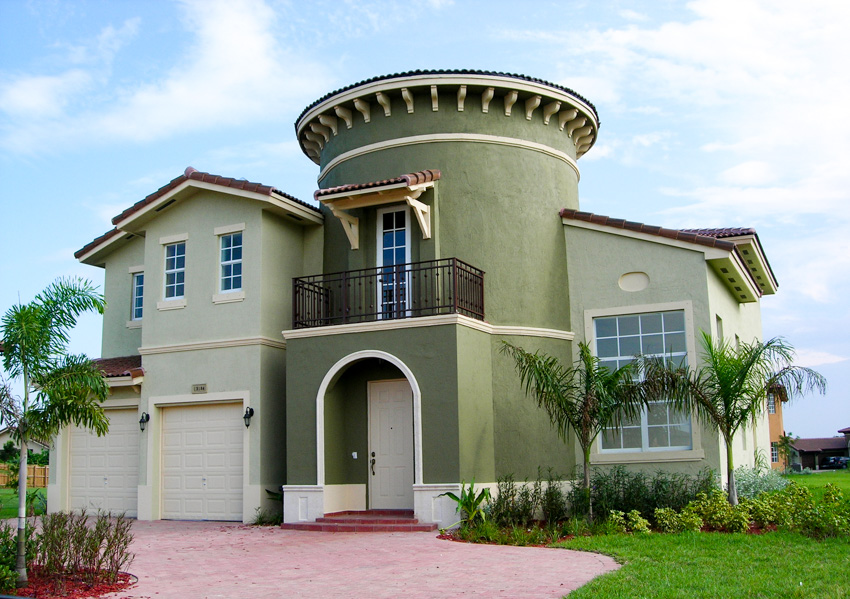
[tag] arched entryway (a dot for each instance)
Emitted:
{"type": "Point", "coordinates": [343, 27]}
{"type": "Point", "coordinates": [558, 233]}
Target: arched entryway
{"type": "Point", "coordinates": [369, 442]}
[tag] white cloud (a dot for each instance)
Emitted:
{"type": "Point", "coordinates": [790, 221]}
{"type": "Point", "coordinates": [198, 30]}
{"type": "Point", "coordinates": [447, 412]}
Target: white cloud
{"type": "Point", "coordinates": [631, 15]}
{"type": "Point", "coordinates": [41, 97]}
{"type": "Point", "coordinates": [813, 357]}
{"type": "Point", "coordinates": [235, 70]}
{"type": "Point", "coordinates": [751, 172]}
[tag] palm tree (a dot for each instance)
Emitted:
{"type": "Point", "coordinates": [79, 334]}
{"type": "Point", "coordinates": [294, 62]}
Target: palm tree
{"type": "Point", "coordinates": [58, 389]}
{"type": "Point", "coordinates": [585, 397]}
{"type": "Point", "coordinates": [785, 446]}
{"type": "Point", "coordinates": [730, 389]}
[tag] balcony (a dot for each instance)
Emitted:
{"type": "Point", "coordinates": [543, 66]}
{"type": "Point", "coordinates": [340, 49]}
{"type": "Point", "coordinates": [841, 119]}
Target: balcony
{"type": "Point", "coordinates": [447, 286]}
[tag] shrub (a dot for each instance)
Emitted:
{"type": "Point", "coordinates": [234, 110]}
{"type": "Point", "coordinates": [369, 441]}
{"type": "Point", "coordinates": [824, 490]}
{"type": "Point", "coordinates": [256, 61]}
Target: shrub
{"type": "Point", "coordinates": [470, 507]}
{"type": "Point", "coordinates": [797, 510]}
{"type": "Point", "coordinates": [631, 522]}
{"type": "Point", "coordinates": [718, 514]}
{"type": "Point", "coordinates": [752, 482]}
{"type": "Point", "coordinates": [554, 501]}
{"type": "Point", "coordinates": [267, 517]}
{"type": "Point", "coordinates": [69, 545]}
{"type": "Point", "coordinates": [762, 510]}
{"type": "Point", "coordinates": [8, 578]}
{"type": "Point", "coordinates": [515, 505]}
{"type": "Point", "coordinates": [621, 489]}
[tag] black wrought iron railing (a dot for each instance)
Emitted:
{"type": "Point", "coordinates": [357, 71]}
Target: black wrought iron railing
{"type": "Point", "coordinates": [447, 286]}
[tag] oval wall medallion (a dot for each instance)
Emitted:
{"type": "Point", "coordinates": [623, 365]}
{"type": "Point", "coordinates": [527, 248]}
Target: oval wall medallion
{"type": "Point", "coordinates": [634, 281]}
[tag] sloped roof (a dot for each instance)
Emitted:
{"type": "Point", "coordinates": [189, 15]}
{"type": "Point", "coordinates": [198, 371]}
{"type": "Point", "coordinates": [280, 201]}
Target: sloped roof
{"type": "Point", "coordinates": [96, 242]}
{"type": "Point", "coordinates": [416, 178]}
{"type": "Point", "coordinates": [821, 444]}
{"type": "Point", "coordinates": [191, 173]}
{"type": "Point", "coordinates": [723, 232]}
{"type": "Point", "coordinates": [120, 366]}
{"type": "Point", "coordinates": [843, 431]}
{"type": "Point", "coordinates": [194, 175]}
{"type": "Point", "coordinates": [691, 236]}
{"type": "Point", "coordinates": [447, 72]}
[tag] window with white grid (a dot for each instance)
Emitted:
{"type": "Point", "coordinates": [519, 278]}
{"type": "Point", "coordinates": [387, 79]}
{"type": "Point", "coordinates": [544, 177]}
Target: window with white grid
{"type": "Point", "coordinates": [138, 293]}
{"type": "Point", "coordinates": [654, 334]}
{"type": "Point", "coordinates": [231, 262]}
{"type": "Point", "coordinates": [175, 270]}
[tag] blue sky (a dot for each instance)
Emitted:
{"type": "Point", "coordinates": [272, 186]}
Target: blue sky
{"type": "Point", "coordinates": [714, 113]}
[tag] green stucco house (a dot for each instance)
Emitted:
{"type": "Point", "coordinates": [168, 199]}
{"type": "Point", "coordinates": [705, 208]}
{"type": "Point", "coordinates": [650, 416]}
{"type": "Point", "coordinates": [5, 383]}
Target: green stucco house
{"type": "Point", "coordinates": [358, 335]}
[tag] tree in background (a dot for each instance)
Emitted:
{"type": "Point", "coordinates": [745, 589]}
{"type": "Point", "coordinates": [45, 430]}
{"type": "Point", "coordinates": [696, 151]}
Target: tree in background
{"type": "Point", "coordinates": [59, 389]}
{"type": "Point", "coordinates": [730, 388]}
{"type": "Point", "coordinates": [785, 447]}
{"type": "Point", "coordinates": [585, 396]}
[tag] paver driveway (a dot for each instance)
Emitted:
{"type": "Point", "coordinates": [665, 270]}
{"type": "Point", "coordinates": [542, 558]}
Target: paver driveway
{"type": "Point", "coordinates": [214, 559]}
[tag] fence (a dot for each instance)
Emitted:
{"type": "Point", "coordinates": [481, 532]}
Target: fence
{"type": "Point", "coordinates": [447, 286]}
{"type": "Point", "coordinates": [36, 475]}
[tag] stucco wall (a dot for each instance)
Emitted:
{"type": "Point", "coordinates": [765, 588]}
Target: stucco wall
{"type": "Point", "coordinates": [201, 319]}
{"type": "Point", "coordinates": [119, 339]}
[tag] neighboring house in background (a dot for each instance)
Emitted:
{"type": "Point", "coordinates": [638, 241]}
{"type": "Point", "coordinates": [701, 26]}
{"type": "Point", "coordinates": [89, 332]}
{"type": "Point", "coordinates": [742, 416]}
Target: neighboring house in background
{"type": "Point", "coordinates": [812, 453]}
{"type": "Point", "coordinates": [386, 387]}
{"type": "Point", "coordinates": [34, 445]}
{"type": "Point", "coordinates": [776, 428]}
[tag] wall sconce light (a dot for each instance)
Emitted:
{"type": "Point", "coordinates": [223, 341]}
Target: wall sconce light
{"type": "Point", "coordinates": [247, 417]}
{"type": "Point", "coordinates": [144, 420]}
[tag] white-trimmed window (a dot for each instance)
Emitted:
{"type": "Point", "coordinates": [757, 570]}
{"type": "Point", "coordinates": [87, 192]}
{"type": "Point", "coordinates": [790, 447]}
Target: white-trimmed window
{"type": "Point", "coordinates": [138, 295]}
{"type": "Point", "coordinates": [231, 262]}
{"type": "Point", "coordinates": [175, 270]}
{"type": "Point", "coordinates": [774, 452]}
{"type": "Point", "coordinates": [771, 403]}
{"type": "Point", "coordinates": [655, 334]}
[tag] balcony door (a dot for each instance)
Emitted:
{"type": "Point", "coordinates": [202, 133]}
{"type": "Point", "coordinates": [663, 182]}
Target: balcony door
{"type": "Point", "coordinates": [393, 253]}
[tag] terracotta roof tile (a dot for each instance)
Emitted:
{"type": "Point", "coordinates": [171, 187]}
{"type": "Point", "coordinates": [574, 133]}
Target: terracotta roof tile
{"type": "Point", "coordinates": [681, 235]}
{"type": "Point", "coordinates": [416, 178]}
{"type": "Point", "coordinates": [96, 242]}
{"type": "Point", "coordinates": [447, 72]}
{"type": "Point", "coordinates": [843, 431]}
{"type": "Point", "coordinates": [191, 173]}
{"type": "Point", "coordinates": [121, 366]}
{"type": "Point", "coordinates": [822, 444]}
{"type": "Point", "coordinates": [721, 233]}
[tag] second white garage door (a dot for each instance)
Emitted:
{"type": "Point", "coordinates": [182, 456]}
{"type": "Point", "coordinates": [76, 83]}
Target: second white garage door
{"type": "Point", "coordinates": [202, 462]}
{"type": "Point", "coordinates": [105, 470]}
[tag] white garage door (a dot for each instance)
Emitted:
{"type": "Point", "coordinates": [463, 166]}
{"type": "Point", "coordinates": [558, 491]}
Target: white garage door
{"type": "Point", "coordinates": [202, 462]}
{"type": "Point", "coordinates": [105, 470]}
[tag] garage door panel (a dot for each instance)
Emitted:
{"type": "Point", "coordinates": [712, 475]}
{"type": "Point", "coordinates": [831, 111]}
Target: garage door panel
{"type": "Point", "coordinates": [104, 470]}
{"type": "Point", "coordinates": [205, 454]}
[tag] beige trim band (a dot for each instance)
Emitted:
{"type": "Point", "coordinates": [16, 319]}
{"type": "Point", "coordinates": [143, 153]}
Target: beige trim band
{"type": "Point", "coordinates": [427, 321]}
{"type": "Point", "coordinates": [220, 344]}
{"type": "Point", "coordinates": [451, 137]}
{"type": "Point", "coordinates": [226, 229]}
{"type": "Point", "coordinates": [173, 238]}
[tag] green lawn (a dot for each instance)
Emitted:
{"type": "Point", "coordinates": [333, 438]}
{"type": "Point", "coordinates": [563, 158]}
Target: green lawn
{"type": "Point", "coordinates": [818, 480]}
{"type": "Point", "coordinates": [712, 565]}
{"type": "Point", "coordinates": [9, 502]}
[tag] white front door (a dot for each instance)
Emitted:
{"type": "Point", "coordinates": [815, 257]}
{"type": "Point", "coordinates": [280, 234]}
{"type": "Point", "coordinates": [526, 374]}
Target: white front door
{"type": "Point", "coordinates": [390, 445]}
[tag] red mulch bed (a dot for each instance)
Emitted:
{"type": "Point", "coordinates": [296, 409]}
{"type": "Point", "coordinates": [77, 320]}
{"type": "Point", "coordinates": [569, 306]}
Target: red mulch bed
{"type": "Point", "coordinates": [42, 587]}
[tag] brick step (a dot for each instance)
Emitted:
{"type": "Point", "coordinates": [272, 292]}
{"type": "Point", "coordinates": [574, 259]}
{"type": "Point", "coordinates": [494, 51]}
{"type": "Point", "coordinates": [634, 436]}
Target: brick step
{"type": "Point", "coordinates": [372, 513]}
{"type": "Point", "coordinates": [364, 521]}
{"type": "Point", "coordinates": [367, 519]}
{"type": "Point", "coordinates": [349, 526]}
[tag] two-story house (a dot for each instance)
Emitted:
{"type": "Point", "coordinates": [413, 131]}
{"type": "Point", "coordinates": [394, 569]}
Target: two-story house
{"type": "Point", "coordinates": [348, 351]}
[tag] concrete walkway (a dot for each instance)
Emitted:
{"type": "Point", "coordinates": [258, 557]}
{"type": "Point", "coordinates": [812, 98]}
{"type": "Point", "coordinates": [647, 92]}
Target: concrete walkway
{"type": "Point", "coordinates": [213, 559]}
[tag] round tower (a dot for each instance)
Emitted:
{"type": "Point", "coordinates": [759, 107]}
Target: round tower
{"type": "Point", "coordinates": [506, 147]}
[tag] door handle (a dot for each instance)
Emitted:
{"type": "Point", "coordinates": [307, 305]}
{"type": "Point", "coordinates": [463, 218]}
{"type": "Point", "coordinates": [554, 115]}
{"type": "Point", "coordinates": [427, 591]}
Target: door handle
{"type": "Point", "coordinates": [373, 466]}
